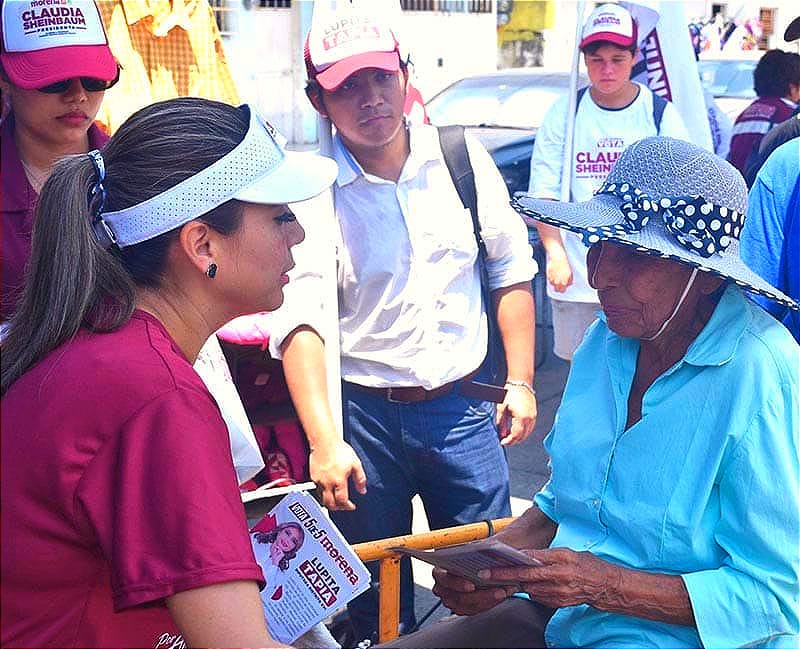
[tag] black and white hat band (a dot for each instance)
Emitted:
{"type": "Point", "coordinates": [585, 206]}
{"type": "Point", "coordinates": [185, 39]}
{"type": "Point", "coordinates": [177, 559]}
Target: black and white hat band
{"type": "Point", "coordinates": [697, 224]}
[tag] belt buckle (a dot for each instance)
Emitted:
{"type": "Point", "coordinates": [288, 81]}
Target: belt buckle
{"type": "Point", "coordinates": [390, 398]}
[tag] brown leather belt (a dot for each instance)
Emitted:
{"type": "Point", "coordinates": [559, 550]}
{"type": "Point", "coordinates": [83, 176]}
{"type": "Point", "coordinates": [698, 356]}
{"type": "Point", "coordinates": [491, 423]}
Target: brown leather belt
{"type": "Point", "coordinates": [416, 393]}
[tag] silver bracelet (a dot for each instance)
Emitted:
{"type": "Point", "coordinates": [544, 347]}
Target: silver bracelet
{"type": "Point", "coordinates": [522, 384]}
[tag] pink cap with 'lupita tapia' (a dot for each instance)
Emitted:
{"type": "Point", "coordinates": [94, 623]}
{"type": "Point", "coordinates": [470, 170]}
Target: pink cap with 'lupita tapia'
{"type": "Point", "coordinates": [346, 43]}
{"type": "Point", "coordinates": [45, 41]}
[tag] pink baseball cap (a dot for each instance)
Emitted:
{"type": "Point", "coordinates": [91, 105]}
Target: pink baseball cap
{"type": "Point", "coordinates": [346, 43]}
{"type": "Point", "coordinates": [612, 23]}
{"type": "Point", "coordinates": [45, 41]}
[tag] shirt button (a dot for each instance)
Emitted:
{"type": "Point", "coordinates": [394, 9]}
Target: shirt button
{"type": "Point", "coordinates": [596, 503]}
{"type": "Point", "coordinates": [588, 544]}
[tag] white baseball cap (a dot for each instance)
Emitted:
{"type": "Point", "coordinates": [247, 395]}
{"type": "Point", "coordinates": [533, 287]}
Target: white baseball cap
{"type": "Point", "coordinates": [45, 41]}
{"type": "Point", "coordinates": [347, 42]}
{"type": "Point", "coordinates": [612, 23]}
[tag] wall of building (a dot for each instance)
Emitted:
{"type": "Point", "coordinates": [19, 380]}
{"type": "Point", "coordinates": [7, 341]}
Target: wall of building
{"type": "Point", "coordinates": [560, 39]}
{"type": "Point", "coordinates": [446, 46]}
{"type": "Point", "coordinates": [259, 48]}
{"type": "Point", "coordinates": [264, 47]}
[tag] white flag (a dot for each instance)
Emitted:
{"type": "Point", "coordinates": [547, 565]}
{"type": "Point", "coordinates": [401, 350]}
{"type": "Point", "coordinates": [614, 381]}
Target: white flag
{"type": "Point", "coordinates": [668, 66]}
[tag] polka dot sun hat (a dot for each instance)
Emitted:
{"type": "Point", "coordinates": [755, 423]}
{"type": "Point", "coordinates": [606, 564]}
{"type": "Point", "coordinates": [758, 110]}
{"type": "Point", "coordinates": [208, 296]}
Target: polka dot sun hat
{"type": "Point", "coordinates": [667, 198]}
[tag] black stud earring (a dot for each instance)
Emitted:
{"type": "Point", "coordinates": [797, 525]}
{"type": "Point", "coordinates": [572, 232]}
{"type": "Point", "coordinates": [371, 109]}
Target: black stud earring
{"type": "Point", "coordinates": [211, 271]}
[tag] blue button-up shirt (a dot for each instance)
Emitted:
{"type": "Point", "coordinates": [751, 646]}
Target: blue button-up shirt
{"type": "Point", "coordinates": [704, 486]}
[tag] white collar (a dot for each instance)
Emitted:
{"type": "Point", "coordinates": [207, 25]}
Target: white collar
{"type": "Point", "coordinates": [424, 145]}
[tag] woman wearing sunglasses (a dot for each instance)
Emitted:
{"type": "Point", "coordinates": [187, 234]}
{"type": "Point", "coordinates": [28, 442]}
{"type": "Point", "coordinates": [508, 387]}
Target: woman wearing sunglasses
{"type": "Point", "coordinates": [56, 65]}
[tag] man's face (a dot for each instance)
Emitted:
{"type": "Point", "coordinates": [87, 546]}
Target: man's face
{"type": "Point", "coordinates": [609, 68]}
{"type": "Point", "coordinates": [367, 108]}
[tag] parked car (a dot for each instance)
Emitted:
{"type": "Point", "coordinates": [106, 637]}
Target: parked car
{"type": "Point", "coordinates": [503, 110]}
{"type": "Point", "coordinates": [730, 82]}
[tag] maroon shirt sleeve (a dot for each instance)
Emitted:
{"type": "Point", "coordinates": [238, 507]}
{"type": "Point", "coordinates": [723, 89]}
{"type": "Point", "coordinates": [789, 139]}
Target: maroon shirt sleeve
{"type": "Point", "coordinates": [162, 499]}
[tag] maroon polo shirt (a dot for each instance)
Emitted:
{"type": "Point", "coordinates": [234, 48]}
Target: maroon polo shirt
{"type": "Point", "coordinates": [17, 205]}
{"type": "Point", "coordinates": [118, 491]}
{"type": "Point", "coordinates": [752, 125]}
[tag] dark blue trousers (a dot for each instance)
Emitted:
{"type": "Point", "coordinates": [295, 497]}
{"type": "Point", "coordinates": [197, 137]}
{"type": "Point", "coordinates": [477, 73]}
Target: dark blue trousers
{"type": "Point", "coordinates": [446, 450]}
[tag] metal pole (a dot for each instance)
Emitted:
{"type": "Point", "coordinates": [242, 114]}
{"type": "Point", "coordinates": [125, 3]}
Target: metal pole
{"type": "Point", "coordinates": [330, 324]}
{"type": "Point", "coordinates": [569, 135]}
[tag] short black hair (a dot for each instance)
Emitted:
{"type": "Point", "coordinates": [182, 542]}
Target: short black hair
{"type": "Point", "coordinates": [592, 47]}
{"type": "Point", "coordinates": [774, 72]}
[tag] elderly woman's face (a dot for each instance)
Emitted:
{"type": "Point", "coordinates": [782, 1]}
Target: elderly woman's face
{"type": "Point", "coordinates": [638, 292]}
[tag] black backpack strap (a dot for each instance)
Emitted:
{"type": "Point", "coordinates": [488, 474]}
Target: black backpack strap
{"type": "Point", "coordinates": [659, 105]}
{"type": "Point", "coordinates": [579, 96]}
{"type": "Point", "coordinates": [456, 157]}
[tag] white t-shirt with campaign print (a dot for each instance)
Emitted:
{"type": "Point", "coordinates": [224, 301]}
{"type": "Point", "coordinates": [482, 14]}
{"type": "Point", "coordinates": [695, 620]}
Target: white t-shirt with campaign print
{"type": "Point", "coordinates": [601, 134]}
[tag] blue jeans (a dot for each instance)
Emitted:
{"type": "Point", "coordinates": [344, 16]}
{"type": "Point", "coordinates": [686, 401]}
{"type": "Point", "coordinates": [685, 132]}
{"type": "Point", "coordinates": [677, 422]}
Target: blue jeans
{"type": "Point", "coordinates": [446, 450]}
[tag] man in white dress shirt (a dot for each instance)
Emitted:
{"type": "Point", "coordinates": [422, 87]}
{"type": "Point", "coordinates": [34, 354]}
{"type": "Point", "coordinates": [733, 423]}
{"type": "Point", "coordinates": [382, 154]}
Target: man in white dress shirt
{"type": "Point", "coordinates": [413, 328]}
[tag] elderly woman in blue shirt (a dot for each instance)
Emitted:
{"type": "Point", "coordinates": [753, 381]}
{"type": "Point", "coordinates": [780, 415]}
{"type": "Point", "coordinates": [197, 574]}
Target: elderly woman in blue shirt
{"type": "Point", "coordinates": [671, 515]}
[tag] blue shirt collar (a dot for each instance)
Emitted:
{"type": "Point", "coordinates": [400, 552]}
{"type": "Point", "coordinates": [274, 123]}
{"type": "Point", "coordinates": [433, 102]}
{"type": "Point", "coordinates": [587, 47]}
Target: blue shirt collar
{"type": "Point", "coordinates": [717, 342]}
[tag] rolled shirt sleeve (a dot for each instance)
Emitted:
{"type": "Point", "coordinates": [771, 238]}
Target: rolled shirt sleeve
{"type": "Point", "coordinates": [312, 281]}
{"type": "Point", "coordinates": [509, 254]}
{"type": "Point", "coordinates": [162, 500]}
{"type": "Point", "coordinates": [545, 501]}
{"type": "Point", "coordinates": [753, 597]}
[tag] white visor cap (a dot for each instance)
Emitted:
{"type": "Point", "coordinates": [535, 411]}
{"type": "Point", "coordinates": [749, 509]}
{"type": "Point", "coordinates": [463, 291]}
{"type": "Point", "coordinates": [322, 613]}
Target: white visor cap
{"type": "Point", "coordinates": [297, 177]}
{"type": "Point", "coordinates": [258, 170]}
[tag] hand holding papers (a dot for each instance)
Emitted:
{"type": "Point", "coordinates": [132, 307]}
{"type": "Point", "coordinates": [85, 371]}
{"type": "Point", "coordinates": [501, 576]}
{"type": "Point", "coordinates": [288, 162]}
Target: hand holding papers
{"type": "Point", "coordinates": [467, 559]}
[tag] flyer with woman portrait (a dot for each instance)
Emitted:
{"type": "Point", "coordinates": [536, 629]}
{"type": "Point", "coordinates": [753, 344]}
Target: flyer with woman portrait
{"type": "Point", "coordinates": [309, 569]}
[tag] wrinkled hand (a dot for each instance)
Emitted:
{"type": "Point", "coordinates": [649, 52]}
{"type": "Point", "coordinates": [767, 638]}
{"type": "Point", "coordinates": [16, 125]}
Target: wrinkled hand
{"type": "Point", "coordinates": [516, 416]}
{"type": "Point", "coordinates": [330, 469]}
{"type": "Point", "coordinates": [559, 273]}
{"type": "Point", "coordinates": [565, 578]}
{"type": "Point", "coordinates": [465, 598]}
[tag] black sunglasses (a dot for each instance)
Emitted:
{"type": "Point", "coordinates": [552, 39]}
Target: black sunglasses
{"type": "Point", "coordinates": [90, 84]}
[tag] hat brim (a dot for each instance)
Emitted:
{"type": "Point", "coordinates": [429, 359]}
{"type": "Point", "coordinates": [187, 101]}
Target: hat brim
{"type": "Point", "coordinates": [608, 37]}
{"type": "Point", "coordinates": [36, 69]}
{"type": "Point", "coordinates": [792, 32]}
{"type": "Point", "coordinates": [299, 177]}
{"type": "Point", "coordinates": [333, 77]}
{"type": "Point", "coordinates": [586, 217]}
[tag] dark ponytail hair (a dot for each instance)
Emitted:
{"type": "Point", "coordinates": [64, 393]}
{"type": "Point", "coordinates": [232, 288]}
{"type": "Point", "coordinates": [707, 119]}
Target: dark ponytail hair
{"type": "Point", "coordinates": [72, 281]}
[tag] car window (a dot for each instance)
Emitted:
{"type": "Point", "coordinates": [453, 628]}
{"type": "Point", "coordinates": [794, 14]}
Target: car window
{"type": "Point", "coordinates": [728, 78]}
{"type": "Point", "coordinates": [528, 106]}
{"type": "Point", "coordinates": [496, 101]}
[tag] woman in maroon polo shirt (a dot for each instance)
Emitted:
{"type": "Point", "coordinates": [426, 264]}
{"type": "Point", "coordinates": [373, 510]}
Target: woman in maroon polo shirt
{"type": "Point", "coordinates": [120, 511]}
{"type": "Point", "coordinates": [52, 87]}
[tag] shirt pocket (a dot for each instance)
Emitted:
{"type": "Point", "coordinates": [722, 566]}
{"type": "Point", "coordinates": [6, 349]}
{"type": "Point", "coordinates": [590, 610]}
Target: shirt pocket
{"type": "Point", "coordinates": [450, 238]}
